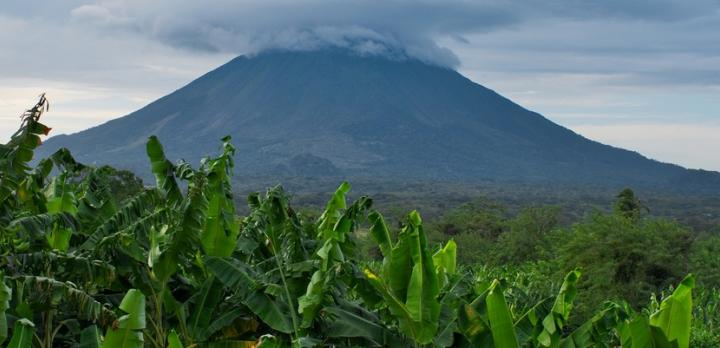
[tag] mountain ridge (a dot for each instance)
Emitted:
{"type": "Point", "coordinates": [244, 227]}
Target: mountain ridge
{"type": "Point", "coordinates": [334, 112]}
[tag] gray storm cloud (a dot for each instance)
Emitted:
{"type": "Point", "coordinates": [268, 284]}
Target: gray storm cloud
{"type": "Point", "coordinates": [395, 28]}
{"type": "Point", "coordinates": [398, 29]}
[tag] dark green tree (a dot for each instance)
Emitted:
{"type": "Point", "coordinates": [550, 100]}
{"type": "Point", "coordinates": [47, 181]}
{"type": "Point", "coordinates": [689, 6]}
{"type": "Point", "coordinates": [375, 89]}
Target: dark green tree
{"type": "Point", "coordinates": [628, 205]}
{"type": "Point", "coordinates": [123, 184]}
{"type": "Point", "coordinates": [527, 236]}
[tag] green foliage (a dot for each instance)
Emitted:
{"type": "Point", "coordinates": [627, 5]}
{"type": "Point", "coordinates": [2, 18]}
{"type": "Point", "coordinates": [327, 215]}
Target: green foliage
{"type": "Point", "coordinates": [409, 280]}
{"type": "Point", "coordinates": [615, 248]}
{"type": "Point", "coordinates": [706, 312]}
{"type": "Point", "coordinates": [175, 266]}
{"type": "Point", "coordinates": [123, 184]}
{"type": "Point", "coordinates": [704, 260]}
{"type": "Point", "coordinates": [627, 205]}
{"type": "Point", "coordinates": [491, 237]}
{"type": "Point", "coordinates": [163, 170]}
{"type": "Point", "coordinates": [500, 318]}
{"type": "Point", "coordinates": [5, 294]}
{"type": "Point", "coordinates": [22, 334]}
{"type": "Point", "coordinates": [675, 314]}
{"type": "Point", "coordinates": [90, 337]}
{"type": "Point", "coordinates": [528, 236]}
{"type": "Point", "coordinates": [475, 225]}
{"type": "Point", "coordinates": [668, 325]}
{"type": "Point", "coordinates": [127, 331]}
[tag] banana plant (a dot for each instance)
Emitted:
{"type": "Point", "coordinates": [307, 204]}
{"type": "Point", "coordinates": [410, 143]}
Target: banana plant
{"type": "Point", "coordinates": [16, 185]}
{"type": "Point", "coordinates": [546, 329]}
{"type": "Point", "coordinates": [334, 228]}
{"type": "Point", "coordinates": [159, 234]}
{"type": "Point", "coordinates": [90, 337]}
{"type": "Point", "coordinates": [5, 296]}
{"type": "Point", "coordinates": [668, 326]}
{"type": "Point", "coordinates": [19, 187]}
{"type": "Point", "coordinates": [271, 271]}
{"type": "Point", "coordinates": [598, 331]}
{"type": "Point", "coordinates": [222, 227]}
{"type": "Point", "coordinates": [489, 321]}
{"type": "Point", "coordinates": [408, 281]}
{"type": "Point", "coordinates": [52, 288]}
{"type": "Point", "coordinates": [127, 331]}
{"type": "Point", "coordinates": [23, 334]}
{"type": "Point", "coordinates": [282, 259]}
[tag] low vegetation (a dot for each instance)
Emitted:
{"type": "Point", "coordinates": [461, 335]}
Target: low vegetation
{"type": "Point", "coordinates": [86, 262]}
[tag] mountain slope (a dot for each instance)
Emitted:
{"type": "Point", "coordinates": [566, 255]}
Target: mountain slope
{"type": "Point", "coordinates": [333, 112]}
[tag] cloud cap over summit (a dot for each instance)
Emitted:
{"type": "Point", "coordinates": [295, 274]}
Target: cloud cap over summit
{"type": "Point", "coordinates": [409, 25]}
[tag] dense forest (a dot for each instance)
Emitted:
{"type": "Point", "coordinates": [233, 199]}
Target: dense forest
{"type": "Point", "coordinates": [91, 257]}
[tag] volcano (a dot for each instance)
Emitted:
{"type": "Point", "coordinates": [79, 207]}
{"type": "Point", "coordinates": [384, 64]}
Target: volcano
{"type": "Point", "coordinates": [335, 112]}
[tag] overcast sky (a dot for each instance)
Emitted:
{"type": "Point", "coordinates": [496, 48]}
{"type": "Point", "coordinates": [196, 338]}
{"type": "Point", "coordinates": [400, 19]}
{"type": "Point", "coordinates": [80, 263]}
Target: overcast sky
{"type": "Point", "coordinates": [639, 74]}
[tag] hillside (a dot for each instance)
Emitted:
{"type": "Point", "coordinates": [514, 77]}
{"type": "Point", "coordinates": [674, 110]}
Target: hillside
{"type": "Point", "coordinates": [335, 113]}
